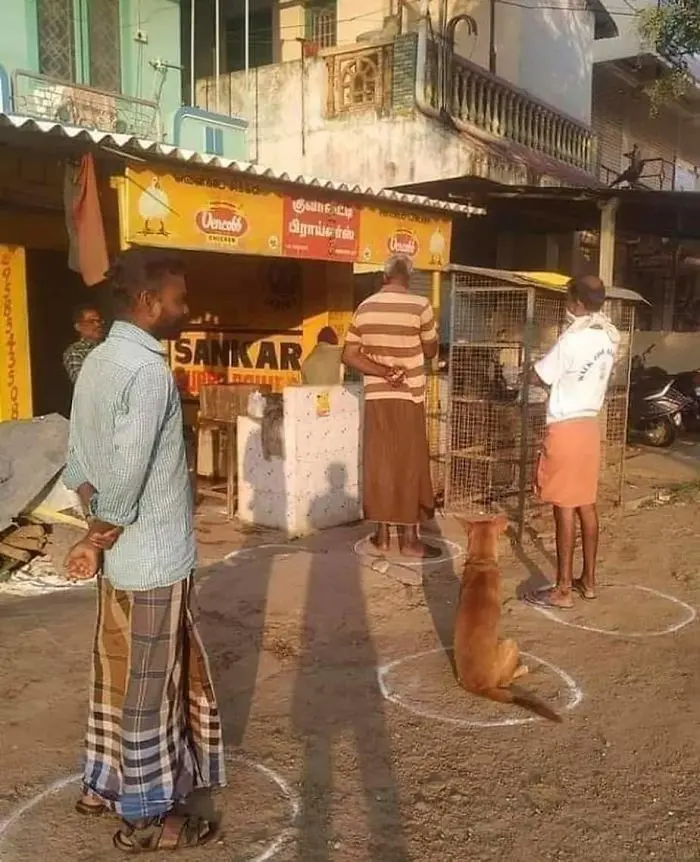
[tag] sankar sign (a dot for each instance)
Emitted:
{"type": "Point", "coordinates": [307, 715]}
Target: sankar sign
{"type": "Point", "coordinates": [231, 356]}
{"type": "Point", "coordinates": [235, 213]}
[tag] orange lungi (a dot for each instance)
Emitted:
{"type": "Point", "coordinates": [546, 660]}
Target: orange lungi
{"type": "Point", "coordinates": [569, 465]}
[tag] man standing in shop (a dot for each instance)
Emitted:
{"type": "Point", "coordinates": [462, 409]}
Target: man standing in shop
{"type": "Point", "coordinates": [88, 323]}
{"type": "Point", "coordinates": [322, 367]}
{"type": "Point", "coordinates": [392, 335]}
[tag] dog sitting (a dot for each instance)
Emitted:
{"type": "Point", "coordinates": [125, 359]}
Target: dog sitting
{"type": "Point", "coordinates": [485, 665]}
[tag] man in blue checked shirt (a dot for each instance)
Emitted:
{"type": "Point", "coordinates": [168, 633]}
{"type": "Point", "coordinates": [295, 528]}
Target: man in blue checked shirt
{"type": "Point", "coordinates": [154, 734]}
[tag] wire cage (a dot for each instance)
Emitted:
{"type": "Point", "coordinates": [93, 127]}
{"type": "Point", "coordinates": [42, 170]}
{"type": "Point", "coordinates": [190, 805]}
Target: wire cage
{"type": "Point", "coordinates": [500, 323]}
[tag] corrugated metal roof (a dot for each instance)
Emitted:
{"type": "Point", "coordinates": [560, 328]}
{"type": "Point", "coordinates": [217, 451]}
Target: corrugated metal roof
{"type": "Point", "coordinates": [140, 147]}
{"type": "Point", "coordinates": [547, 280]}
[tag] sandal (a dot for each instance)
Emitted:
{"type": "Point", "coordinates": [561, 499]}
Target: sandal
{"type": "Point", "coordinates": [543, 599]}
{"type": "Point", "coordinates": [583, 591]}
{"type": "Point", "coordinates": [90, 809]}
{"type": "Point", "coordinates": [171, 832]}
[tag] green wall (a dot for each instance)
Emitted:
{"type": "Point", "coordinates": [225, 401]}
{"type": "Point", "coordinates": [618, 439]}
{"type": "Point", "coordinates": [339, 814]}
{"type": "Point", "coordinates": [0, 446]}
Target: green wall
{"type": "Point", "coordinates": [159, 24]}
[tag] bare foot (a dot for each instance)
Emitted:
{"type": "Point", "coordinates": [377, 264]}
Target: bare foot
{"type": "Point", "coordinates": [382, 538]}
{"type": "Point", "coordinates": [582, 588]}
{"type": "Point", "coordinates": [420, 551]}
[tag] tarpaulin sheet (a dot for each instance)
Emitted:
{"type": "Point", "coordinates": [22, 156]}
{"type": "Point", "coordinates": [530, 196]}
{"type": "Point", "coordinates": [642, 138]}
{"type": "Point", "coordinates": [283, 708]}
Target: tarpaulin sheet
{"type": "Point", "coordinates": [32, 453]}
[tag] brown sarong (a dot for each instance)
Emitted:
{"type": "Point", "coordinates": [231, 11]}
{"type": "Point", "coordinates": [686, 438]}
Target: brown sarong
{"type": "Point", "coordinates": [396, 484]}
{"type": "Point", "coordinates": [568, 468]}
{"type": "Point", "coordinates": [154, 733]}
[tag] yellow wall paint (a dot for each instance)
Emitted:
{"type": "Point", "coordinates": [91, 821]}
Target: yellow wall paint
{"type": "Point", "coordinates": [15, 369]}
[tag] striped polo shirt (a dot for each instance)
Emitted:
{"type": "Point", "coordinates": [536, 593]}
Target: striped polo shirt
{"type": "Point", "coordinates": [392, 328]}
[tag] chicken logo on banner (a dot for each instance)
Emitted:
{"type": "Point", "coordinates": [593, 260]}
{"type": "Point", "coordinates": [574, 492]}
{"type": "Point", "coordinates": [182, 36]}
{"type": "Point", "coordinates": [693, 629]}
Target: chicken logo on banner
{"type": "Point", "coordinates": [154, 208]}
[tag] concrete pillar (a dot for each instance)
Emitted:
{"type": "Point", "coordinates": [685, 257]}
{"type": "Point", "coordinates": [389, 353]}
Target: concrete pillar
{"type": "Point", "coordinates": [606, 255]}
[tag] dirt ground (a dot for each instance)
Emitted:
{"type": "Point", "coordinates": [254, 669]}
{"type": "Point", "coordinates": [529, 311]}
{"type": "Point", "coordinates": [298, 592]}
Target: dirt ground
{"type": "Point", "coordinates": [396, 766]}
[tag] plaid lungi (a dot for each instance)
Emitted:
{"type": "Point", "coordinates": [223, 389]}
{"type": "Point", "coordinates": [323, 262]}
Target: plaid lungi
{"type": "Point", "coordinates": [154, 733]}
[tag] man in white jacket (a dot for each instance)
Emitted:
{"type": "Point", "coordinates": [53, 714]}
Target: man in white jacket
{"type": "Point", "coordinates": [576, 371]}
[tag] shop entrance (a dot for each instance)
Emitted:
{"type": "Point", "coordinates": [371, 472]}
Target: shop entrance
{"type": "Point", "coordinates": [53, 292]}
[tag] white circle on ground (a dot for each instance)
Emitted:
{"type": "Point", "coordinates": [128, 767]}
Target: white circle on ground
{"type": "Point", "coordinates": [574, 693]}
{"type": "Point", "coordinates": [689, 614]}
{"type": "Point", "coordinates": [450, 551]}
{"type": "Point", "coordinates": [252, 551]}
{"type": "Point", "coordinates": [268, 852]}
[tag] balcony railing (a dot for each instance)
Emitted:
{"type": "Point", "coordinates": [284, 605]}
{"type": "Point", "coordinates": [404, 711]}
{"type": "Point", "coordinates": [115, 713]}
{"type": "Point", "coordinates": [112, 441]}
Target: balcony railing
{"type": "Point", "coordinates": [50, 99]}
{"type": "Point", "coordinates": [483, 100]}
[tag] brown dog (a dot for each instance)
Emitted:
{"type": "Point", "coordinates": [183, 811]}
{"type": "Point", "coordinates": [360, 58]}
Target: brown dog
{"type": "Point", "coordinates": [485, 665]}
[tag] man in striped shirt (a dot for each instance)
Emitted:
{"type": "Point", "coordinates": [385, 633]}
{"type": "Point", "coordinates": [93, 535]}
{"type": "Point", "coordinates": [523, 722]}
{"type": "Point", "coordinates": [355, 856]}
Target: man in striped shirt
{"type": "Point", "coordinates": [392, 335]}
{"type": "Point", "coordinates": [154, 733]}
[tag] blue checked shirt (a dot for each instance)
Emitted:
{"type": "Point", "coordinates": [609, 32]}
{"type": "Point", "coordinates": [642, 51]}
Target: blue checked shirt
{"type": "Point", "coordinates": [126, 439]}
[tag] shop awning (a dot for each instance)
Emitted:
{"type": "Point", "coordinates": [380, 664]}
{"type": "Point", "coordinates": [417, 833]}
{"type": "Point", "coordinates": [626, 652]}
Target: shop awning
{"type": "Point", "coordinates": [548, 280]}
{"type": "Point", "coordinates": [140, 149]}
{"type": "Point", "coordinates": [672, 214]}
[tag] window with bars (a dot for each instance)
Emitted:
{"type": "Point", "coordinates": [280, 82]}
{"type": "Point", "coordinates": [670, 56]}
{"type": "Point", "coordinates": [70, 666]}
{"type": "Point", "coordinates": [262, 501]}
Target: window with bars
{"type": "Point", "coordinates": [56, 27]}
{"type": "Point", "coordinates": [105, 45]}
{"type": "Point", "coordinates": [322, 23]}
{"type": "Point", "coordinates": [80, 42]}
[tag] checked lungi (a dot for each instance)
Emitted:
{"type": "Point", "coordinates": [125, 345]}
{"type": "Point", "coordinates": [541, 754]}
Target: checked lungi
{"type": "Point", "coordinates": [154, 733]}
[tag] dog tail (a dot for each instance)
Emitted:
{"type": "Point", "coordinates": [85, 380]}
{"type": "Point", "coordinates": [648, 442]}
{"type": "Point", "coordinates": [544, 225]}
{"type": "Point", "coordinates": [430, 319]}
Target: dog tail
{"type": "Point", "coordinates": [525, 700]}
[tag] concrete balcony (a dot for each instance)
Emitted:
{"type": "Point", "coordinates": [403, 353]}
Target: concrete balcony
{"type": "Point", "coordinates": [483, 101]}
{"type": "Point", "coordinates": [43, 98]}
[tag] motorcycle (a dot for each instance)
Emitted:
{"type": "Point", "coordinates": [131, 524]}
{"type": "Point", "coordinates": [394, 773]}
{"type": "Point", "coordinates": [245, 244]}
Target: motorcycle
{"type": "Point", "coordinates": [656, 406]}
{"type": "Point", "coordinates": [688, 382]}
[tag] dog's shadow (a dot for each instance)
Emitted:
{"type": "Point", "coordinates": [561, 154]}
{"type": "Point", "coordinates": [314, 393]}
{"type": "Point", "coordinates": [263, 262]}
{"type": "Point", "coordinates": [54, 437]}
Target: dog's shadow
{"type": "Point", "coordinates": [536, 579]}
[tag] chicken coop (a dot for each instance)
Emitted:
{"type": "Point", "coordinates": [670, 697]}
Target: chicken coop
{"type": "Point", "coordinates": [500, 323]}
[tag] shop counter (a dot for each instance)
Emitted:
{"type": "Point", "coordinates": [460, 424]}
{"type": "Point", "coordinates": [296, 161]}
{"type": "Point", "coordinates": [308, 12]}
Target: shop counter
{"type": "Point", "coordinates": [315, 483]}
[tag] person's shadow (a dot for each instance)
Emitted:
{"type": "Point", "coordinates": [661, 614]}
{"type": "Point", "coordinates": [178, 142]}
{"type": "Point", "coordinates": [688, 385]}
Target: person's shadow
{"type": "Point", "coordinates": [337, 697]}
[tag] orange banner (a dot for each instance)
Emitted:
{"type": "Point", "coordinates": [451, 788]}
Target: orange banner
{"type": "Point", "coordinates": [231, 212]}
{"type": "Point", "coordinates": [184, 211]}
{"type": "Point", "coordinates": [425, 239]}
{"type": "Point", "coordinates": [15, 376]}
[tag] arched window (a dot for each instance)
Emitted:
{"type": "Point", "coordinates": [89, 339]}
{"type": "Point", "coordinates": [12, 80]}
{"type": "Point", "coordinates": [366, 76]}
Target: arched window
{"type": "Point", "coordinates": [322, 23]}
{"type": "Point", "coordinates": [359, 82]}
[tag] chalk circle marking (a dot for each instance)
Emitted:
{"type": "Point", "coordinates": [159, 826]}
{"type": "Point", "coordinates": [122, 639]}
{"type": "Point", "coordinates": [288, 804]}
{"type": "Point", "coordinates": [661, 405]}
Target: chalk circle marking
{"type": "Point", "coordinates": [689, 617]}
{"type": "Point", "coordinates": [269, 852]}
{"type": "Point", "coordinates": [574, 698]}
{"type": "Point", "coordinates": [245, 552]}
{"type": "Point", "coordinates": [451, 551]}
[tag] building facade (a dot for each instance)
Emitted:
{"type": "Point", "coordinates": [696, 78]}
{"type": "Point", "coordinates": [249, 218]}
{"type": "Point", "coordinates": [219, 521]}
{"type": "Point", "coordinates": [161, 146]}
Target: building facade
{"type": "Point", "coordinates": [652, 146]}
{"type": "Point", "coordinates": [370, 92]}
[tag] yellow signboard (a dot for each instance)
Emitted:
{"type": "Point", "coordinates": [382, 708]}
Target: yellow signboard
{"type": "Point", "coordinates": [234, 356]}
{"type": "Point", "coordinates": [230, 214]}
{"type": "Point", "coordinates": [233, 212]}
{"type": "Point", "coordinates": [425, 239]}
{"type": "Point", "coordinates": [15, 369]}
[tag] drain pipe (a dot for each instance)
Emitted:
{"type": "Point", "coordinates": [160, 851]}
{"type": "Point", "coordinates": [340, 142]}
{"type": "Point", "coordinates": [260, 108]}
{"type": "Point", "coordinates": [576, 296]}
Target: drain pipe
{"type": "Point", "coordinates": [446, 51]}
{"type": "Point", "coordinates": [422, 102]}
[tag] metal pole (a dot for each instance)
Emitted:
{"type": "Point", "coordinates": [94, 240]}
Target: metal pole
{"type": "Point", "coordinates": [247, 38]}
{"type": "Point", "coordinates": [193, 81]}
{"type": "Point", "coordinates": [217, 53]}
{"type": "Point", "coordinates": [525, 430]}
{"type": "Point", "coordinates": [492, 37]}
